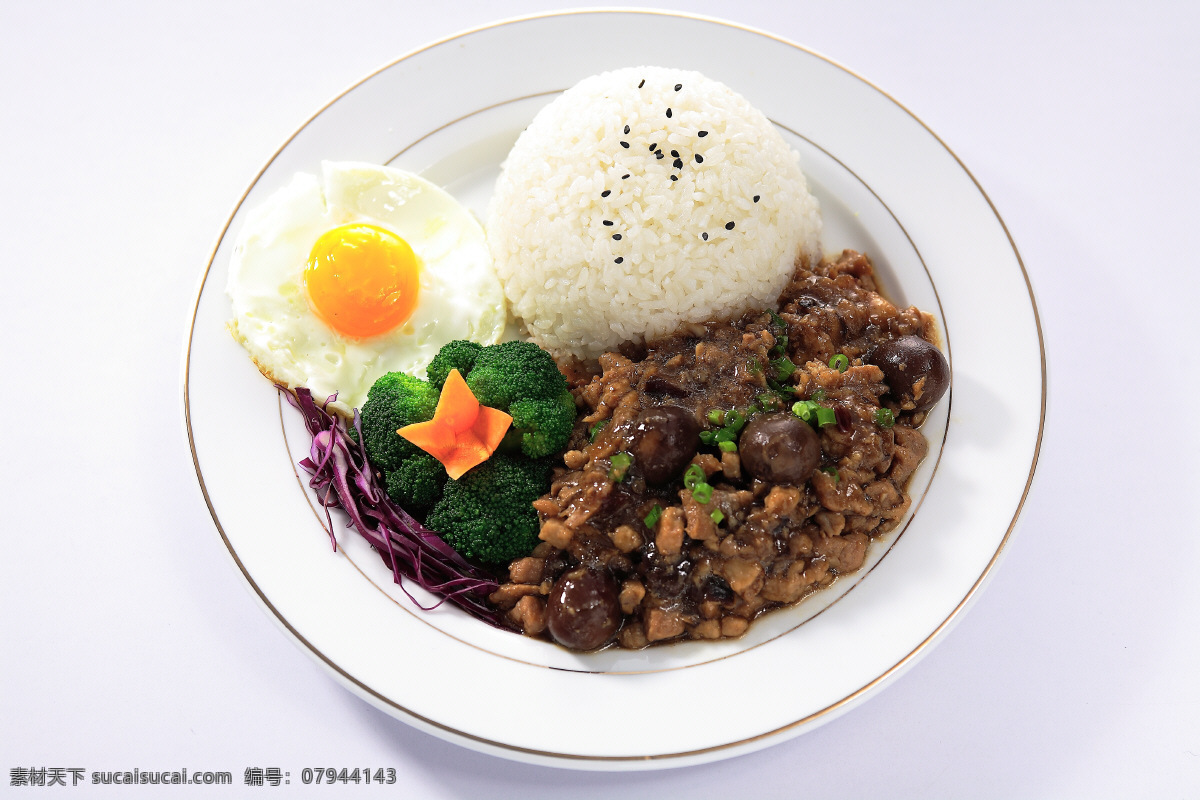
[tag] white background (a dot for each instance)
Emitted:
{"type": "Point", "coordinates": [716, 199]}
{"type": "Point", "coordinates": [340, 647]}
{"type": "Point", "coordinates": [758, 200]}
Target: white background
{"type": "Point", "coordinates": [128, 133]}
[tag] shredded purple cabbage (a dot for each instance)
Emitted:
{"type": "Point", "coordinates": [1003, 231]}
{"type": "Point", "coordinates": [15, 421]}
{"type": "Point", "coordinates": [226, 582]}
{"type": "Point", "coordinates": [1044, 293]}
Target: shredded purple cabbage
{"type": "Point", "coordinates": [343, 478]}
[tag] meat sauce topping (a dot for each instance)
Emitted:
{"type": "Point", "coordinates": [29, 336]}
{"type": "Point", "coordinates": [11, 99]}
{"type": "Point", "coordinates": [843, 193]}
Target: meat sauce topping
{"type": "Point", "coordinates": [733, 467]}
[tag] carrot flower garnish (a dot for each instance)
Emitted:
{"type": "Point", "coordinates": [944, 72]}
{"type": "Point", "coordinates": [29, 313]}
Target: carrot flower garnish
{"type": "Point", "coordinates": [462, 433]}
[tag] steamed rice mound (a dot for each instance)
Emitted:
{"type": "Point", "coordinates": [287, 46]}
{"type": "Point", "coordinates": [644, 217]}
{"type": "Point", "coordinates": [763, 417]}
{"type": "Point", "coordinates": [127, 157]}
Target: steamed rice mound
{"type": "Point", "coordinates": [641, 199]}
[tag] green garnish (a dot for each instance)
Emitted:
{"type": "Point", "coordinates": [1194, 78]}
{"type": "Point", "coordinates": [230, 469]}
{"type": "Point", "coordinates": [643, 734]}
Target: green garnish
{"type": "Point", "coordinates": [817, 396]}
{"type": "Point", "coordinates": [825, 416]}
{"type": "Point", "coordinates": [779, 329]}
{"type": "Point", "coordinates": [806, 410]}
{"type": "Point", "coordinates": [716, 516]}
{"type": "Point", "coordinates": [620, 463]}
{"type": "Point", "coordinates": [767, 400]}
{"type": "Point", "coordinates": [832, 472]}
{"type": "Point", "coordinates": [693, 476]}
{"type": "Point", "coordinates": [839, 362]}
{"type": "Point", "coordinates": [724, 437]}
{"type": "Point", "coordinates": [652, 518]}
{"type": "Point", "coordinates": [702, 493]}
{"type": "Point", "coordinates": [594, 431]}
{"type": "Point", "coordinates": [783, 368]}
{"type": "Point", "coordinates": [884, 417]}
{"type": "Point", "coordinates": [814, 413]}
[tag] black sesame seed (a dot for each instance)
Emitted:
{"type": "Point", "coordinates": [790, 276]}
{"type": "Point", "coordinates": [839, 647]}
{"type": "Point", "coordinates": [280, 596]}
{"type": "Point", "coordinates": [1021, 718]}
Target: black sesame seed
{"type": "Point", "coordinates": [659, 154]}
{"type": "Point", "coordinates": [626, 175]}
{"type": "Point", "coordinates": [699, 158]}
{"type": "Point", "coordinates": [616, 237]}
{"type": "Point", "coordinates": [675, 154]}
{"type": "Point", "coordinates": [619, 259]}
{"type": "Point", "coordinates": [627, 129]}
{"type": "Point", "coordinates": [625, 145]}
{"type": "Point", "coordinates": [668, 113]}
{"type": "Point", "coordinates": [702, 134]}
{"type": "Point", "coordinates": [704, 236]}
{"type": "Point", "coordinates": [678, 164]}
{"type": "Point", "coordinates": [674, 177]}
{"type": "Point", "coordinates": [605, 193]}
{"type": "Point", "coordinates": [609, 222]}
{"type": "Point", "coordinates": [653, 147]}
{"type": "Point", "coordinates": [728, 226]}
{"type": "Point", "coordinates": [643, 83]}
{"type": "Point", "coordinates": [756, 198]}
{"type": "Point", "coordinates": [678, 86]}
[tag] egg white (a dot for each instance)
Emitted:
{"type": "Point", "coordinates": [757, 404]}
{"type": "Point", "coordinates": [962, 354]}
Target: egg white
{"type": "Point", "coordinates": [459, 296]}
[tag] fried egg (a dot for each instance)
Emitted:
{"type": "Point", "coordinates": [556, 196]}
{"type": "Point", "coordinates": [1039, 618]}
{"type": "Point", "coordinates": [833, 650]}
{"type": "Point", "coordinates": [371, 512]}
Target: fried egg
{"type": "Point", "coordinates": [366, 270]}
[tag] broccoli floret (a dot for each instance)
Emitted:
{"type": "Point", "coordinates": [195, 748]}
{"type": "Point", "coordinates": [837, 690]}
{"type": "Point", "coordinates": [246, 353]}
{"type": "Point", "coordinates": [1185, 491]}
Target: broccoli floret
{"type": "Point", "coordinates": [522, 379]}
{"type": "Point", "coordinates": [543, 426]}
{"type": "Point", "coordinates": [458, 354]}
{"type": "Point", "coordinates": [487, 514]}
{"type": "Point", "coordinates": [510, 371]}
{"type": "Point", "coordinates": [417, 483]}
{"type": "Point", "coordinates": [395, 400]}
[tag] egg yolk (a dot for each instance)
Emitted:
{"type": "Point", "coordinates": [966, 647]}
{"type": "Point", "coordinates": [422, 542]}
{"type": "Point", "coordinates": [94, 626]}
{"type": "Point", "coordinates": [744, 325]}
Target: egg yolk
{"type": "Point", "coordinates": [362, 280]}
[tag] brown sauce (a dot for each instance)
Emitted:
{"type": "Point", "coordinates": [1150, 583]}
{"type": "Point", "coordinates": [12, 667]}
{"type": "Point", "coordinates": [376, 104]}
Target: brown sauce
{"type": "Point", "coordinates": [793, 504]}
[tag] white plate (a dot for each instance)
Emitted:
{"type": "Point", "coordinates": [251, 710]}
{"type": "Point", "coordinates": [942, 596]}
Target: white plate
{"type": "Point", "coordinates": [887, 185]}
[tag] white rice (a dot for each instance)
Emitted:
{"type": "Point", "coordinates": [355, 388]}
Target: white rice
{"type": "Point", "coordinates": [548, 222]}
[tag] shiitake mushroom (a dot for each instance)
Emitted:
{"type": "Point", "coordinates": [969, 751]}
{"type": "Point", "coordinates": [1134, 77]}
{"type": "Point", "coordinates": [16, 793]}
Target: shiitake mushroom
{"type": "Point", "coordinates": [915, 371]}
{"type": "Point", "coordinates": [583, 612]}
{"type": "Point", "coordinates": [779, 448]}
{"type": "Point", "coordinates": [666, 439]}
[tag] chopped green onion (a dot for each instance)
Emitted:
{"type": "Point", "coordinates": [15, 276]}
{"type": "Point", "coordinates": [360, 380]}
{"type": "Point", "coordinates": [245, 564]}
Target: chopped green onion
{"type": "Point", "coordinates": [783, 368]}
{"type": "Point", "coordinates": [693, 476]}
{"type": "Point", "coordinates": [817, 396]}
{"type": "Point", "coordinates": [620, 463]}
{"type": "Point", "coordinates": [884, 417]}
{"type": "Point", "coordinates": [777, 321]}
{"type": "Point", "coordinates": [839, 362]}
{"type": "Point", "coordinates": [727, 447]}
{"type": "Point", "coordinates": [814, 413]}
{"type": "Point", "coordinates": [594, 431]}
{"type": "Point", "coordinates": [734, 420]}
{"type": "Point", "coordinates": [832, 472]}
{"type": "Point", "coordinates": [716, 516]}
{"type": "Point", "coordinates": [652, 518]}
{"type": "Point", "coordinates": [725, 435]}
{"type": "Point", "coordinates": [805, 410]}
{"type": "Point", "coordinates": [781, 343]}
{"type": "Point", "coordinates": [767, 400]}
{"type": "Point", "coordinates": [716, 416]}
{"type": "Point", "coordinates": [702, 493]}
{"type": "Point", "coordinates": [708, 437]}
